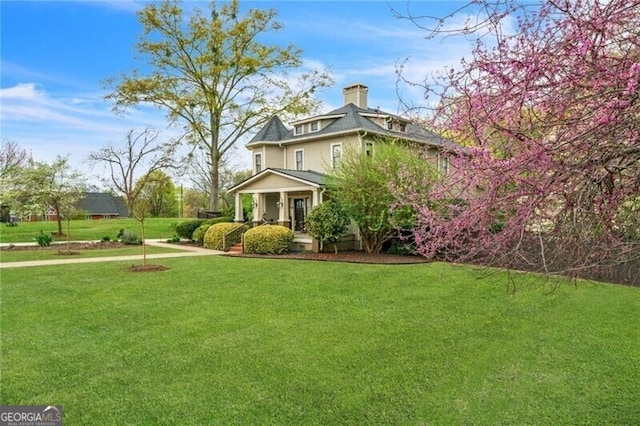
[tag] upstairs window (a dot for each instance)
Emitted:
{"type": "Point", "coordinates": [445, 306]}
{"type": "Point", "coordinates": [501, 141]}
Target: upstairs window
{"type": "Point", "coordinates": [299, 159]}
{"type": "Point", "coordinates": [368, 149]}
{"type": "Point", "coordinates": [258, 162]}
{"type": "Point", "coordinates": [336, 155]}
{"type": "Point", "coordinates": [314, 127]}
{"type": "Point", "coordinates": [299, 129]}
{"type": "Point", "coordinates": [443, 165]}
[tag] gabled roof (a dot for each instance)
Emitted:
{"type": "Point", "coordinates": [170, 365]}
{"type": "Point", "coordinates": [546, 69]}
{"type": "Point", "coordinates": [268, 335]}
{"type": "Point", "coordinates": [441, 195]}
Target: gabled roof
{"type": "Point", "coordinates": [103, 203]}
{"type": "Point", "coordinates": [347, 119]}
{"type": "Point", "coordinates": [306, 177]}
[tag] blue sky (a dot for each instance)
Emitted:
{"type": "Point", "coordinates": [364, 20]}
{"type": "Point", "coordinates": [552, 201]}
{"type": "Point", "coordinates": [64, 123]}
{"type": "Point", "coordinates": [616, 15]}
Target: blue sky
{"type": "Point", "coordinates": [55, 56]}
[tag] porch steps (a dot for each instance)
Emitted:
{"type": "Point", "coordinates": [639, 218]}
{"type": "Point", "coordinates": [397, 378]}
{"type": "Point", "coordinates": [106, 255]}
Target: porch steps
{"type": "Point", "coordinates": [235, 249]}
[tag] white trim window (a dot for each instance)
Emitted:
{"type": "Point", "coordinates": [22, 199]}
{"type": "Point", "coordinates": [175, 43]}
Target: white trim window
{"type": "Point", "coordinates": [443, 165]}
{"type": "Point", "coordinates": [336, 154]}
{"type": "Point", "coordinates": [299, 129]}
{"type": "Point", "coordinates": [257, 162]}
{"type": "Point", "coordinates": [299, 157]}
{"type": "Point", "coordinates": [368, 149]}
{"type": "Point", "coordinates": [314, 126]}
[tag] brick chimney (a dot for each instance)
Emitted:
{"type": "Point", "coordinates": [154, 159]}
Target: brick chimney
{"type": "Point", "coordinates": [356, 94]}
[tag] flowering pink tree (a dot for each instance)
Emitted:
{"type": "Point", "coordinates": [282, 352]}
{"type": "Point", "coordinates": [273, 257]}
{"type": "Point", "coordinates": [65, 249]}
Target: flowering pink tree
{"type": "Point", "coordinates": [550, 116]}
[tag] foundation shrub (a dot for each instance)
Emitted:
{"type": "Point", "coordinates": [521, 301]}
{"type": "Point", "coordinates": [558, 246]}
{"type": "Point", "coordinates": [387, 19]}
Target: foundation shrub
{"type": "Point", "coordinates": [268, 239]}
{"type": "Point", "coordinates": [198, 234]}
{"type": "Point", "coordinates": [214, 235]}
{"type": "Point", "coordinates": [185, 229]}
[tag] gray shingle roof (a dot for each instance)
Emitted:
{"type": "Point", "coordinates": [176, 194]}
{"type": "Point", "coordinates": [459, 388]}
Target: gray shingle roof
{"type": "Point", "coordinates": [273, 131]}
{"type": "Point", "coordinates": [309, 175]}
{"type": "Point", "coordinates": [103, 203]}
{"type": "Point", "coordinates": [351, 120]}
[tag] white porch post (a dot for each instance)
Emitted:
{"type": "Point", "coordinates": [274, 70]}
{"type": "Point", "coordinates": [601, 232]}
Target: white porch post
{"type": "Point", "coordinates": [262, 205]}
{"type": "Point", "coordinates": [256, 208]}
{"type": "Point", "coordinates": [282, 216]}
{"type": "Point", "coordinates": [239, 216]}
{"type": "Point", "coordinates": [314, 198]}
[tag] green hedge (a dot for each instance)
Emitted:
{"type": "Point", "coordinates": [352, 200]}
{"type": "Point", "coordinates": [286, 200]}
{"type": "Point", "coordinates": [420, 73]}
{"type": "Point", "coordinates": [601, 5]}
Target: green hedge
{"type": "Point", "coordinates": [198, 234]}
{"type": "Point", "coordinates": [214, 235]}
{"type": "Point", "coordinates": [185, 229]}
{"type": "Point", "coordinates": [268, 239]}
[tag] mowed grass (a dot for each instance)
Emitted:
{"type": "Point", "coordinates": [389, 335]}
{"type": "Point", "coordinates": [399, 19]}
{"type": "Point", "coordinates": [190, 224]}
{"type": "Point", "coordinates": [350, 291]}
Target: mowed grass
{"type": "Point", "coordinates": [85, 230]}
{"type": "Point", "coordinates": [221, 340]}
{"type": "Point", "coordinates": [7, 256]}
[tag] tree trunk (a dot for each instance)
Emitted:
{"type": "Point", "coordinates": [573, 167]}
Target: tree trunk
{"type": "Point", "coordinates": [215, 179]}
{"type": "Point", "coordinates": [144, 244]}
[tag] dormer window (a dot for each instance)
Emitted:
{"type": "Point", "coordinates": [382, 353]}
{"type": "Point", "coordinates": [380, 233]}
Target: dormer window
{"type": "Point", "coordinates": [299, 129]}
{"type": "Point", "coordinates": [403, 127]}
{"type": "Point", "coordinates": [314, 127]}
{"type": "Point", "coordinates": [389, 125]}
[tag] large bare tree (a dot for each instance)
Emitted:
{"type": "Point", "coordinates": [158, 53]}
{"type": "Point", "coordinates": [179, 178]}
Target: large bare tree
{"type": "Point", "coordinates": [12, 157]}
{"type": "Point", "coordinates": [139, 155]}
{"type": "Point", "coordinates": [213, 75]}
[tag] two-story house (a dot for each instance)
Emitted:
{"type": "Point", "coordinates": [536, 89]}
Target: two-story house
{"type": "Point", "coordinates": [289, 164]}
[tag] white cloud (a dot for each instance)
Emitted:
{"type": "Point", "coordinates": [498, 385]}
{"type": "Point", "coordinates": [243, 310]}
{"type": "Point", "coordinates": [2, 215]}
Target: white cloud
{"type": "Point", "coordinates": [48, 125]}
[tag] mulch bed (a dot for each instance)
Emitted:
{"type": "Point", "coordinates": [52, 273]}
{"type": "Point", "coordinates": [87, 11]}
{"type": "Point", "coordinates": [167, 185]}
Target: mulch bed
{"type": "Point", "coordinates": [145, 268]}
{"type": "Point", "coordinates": [64, 248]}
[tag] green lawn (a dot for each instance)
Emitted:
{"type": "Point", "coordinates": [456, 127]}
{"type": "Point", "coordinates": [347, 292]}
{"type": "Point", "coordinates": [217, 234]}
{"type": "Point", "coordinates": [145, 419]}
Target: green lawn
{"type": "Point", "coordinates": [83, 230]}
{"type": "Point", "coordinates": [219, 340]}
{"type": "Point", "coordinates": [52, 254]}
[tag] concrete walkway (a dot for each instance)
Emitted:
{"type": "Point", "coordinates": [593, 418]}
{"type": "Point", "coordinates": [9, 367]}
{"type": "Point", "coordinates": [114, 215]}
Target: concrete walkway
{"type": "Point", "coordinates": [185, 252]}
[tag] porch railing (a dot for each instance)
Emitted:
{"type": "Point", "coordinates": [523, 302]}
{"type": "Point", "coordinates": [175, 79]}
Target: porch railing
{"type": "Point", "coordinates": [232, 237]}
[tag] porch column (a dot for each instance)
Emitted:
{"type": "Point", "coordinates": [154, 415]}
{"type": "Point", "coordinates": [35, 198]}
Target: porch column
{"type": "Point", "coordinates": [314, 198]}
{"type": "Point", "coordinates": [239, 216]}
{"type": "Point", "coordinates": [256, 207]}
{"type": "Point", "coordinates": [282, 213]}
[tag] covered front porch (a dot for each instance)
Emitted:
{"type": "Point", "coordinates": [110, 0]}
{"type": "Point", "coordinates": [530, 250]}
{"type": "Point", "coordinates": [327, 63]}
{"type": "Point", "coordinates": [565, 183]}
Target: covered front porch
{"type": "Point", "coordinates": [282, 197]}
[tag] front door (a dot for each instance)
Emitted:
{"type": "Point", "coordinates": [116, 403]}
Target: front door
{"type": "Point", "coordinates": [298, 214]}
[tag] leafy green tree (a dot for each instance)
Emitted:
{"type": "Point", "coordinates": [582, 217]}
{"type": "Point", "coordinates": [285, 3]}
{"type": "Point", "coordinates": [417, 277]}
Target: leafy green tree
{"type": "Point", "coordinates": [193, 201]}
{"type": "Point", "coordinates": [328, 222]}
{"type": "Point", "coordinates": [366, 184]}
{"type": "Point", "coordinates": [160, 194]}
{"type": "Point", "coordinates": [211, 73]}
{"type": "Point", "coordinates": [41, 186]}
{"type": "Point", "coordinates": [12, 160]}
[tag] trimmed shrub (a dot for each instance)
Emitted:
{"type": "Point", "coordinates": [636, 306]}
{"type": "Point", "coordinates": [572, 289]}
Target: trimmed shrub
{"type": "Point", "coordinates": [185, 229]}
{"type": "Point", "coordinates": [268, 239]}
{"type": "Point", "coordinates": [130, 238]}
{"type": "Point", "coordinates": [214, 235]}
{"type": "Point", "coordinates": [198, 234]}
{"type": "Point", "coordinates": [44, 240]}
